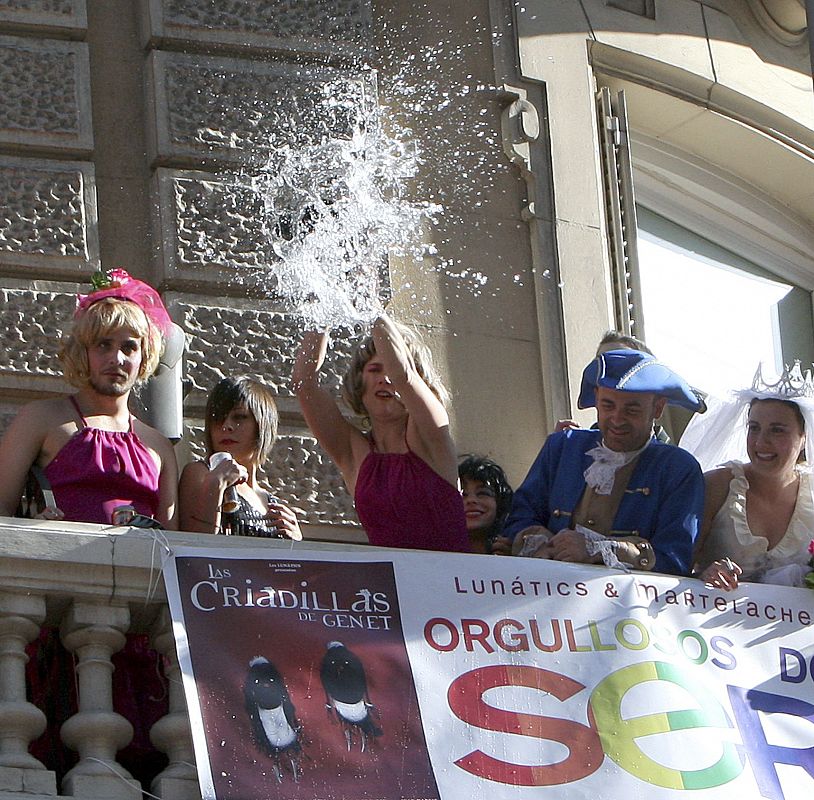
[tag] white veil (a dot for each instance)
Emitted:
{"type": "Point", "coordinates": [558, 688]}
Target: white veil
{"type": "Point", "coordinates": [720, 435]}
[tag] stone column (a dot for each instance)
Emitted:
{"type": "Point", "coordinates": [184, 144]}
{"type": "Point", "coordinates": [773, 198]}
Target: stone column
{"type": "Point", "coordinates": [20, 721]}
{"type": "Point", "coordinates": [171, 734]}
{"type": "Point", "coordinates": [94, 632]}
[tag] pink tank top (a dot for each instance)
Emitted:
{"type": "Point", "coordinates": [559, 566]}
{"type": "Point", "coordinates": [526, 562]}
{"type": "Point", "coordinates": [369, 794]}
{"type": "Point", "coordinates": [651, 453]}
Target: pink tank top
{"type": "Point", "coordinates": [97, 470]}
{"type": "Point", "coordinates": [402, 502]}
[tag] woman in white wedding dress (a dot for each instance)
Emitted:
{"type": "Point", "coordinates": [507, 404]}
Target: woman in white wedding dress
{"type": "Point", "coordinates": [759, 515]}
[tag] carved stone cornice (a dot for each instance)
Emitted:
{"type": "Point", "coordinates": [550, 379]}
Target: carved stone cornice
{"type": "Point", "coordinates": [783, 20]}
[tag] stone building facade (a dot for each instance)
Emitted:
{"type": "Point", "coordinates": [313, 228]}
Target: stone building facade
{"type": "Point", "coordinates": [123, 123]}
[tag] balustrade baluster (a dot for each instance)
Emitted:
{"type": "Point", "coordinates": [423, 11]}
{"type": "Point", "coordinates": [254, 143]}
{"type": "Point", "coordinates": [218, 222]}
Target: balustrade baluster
{"type": "Point", "coordinates": [20, 721]}
{"type": "Point", "coordinates": [171, 734]}
{"type": "Point", "coordinates": [94, 632]}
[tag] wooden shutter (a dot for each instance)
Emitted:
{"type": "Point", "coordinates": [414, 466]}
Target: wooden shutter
{"type": "Point", "coordinates": [620, 210]}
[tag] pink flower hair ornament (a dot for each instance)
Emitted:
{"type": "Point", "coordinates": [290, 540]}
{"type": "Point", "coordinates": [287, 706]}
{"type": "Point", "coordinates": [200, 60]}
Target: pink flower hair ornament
{"type": "Point", "coordinates": [118, 283]}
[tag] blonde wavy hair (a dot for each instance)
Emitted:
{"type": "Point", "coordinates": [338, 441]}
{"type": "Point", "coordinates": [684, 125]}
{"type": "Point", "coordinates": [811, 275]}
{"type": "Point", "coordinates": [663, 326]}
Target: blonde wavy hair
{"type": "Point", "coordinates": [353, 384]}
{"type": "Point", "coordinates": [100, 320]}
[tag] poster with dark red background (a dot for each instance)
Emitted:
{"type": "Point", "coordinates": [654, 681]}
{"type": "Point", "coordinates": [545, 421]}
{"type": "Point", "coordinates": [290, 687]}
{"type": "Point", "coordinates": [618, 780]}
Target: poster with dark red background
{"type": "Point", "coordinates": [239, 620]}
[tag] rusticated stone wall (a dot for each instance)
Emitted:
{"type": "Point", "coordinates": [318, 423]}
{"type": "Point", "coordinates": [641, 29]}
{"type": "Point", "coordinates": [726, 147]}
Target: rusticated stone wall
{"type": "Point", "coordinates": [244, 340]}
{"type": "Point", "coordinates": [123, 125]}
{"type": "Point", "coordinates": [47, 190]}
{"type": "Point", "coordinates": [48, 217]}
{"type": "Point", "coordinates": [31, 321]}
{"type": "Point", "coordinates": [331, 27]}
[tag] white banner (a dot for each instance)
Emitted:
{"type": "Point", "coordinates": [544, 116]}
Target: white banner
{"type": "Point", "coordinates": [398, 675]}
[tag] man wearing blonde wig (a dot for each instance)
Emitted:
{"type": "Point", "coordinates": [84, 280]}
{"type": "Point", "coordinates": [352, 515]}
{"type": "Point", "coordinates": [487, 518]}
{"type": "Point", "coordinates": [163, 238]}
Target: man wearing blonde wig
{"type": "Point", "coordinates": [94, 453]}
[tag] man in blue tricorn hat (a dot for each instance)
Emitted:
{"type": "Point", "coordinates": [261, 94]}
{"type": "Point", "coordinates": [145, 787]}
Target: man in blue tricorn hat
{"type": "Point", "coordinates": [615, 495]}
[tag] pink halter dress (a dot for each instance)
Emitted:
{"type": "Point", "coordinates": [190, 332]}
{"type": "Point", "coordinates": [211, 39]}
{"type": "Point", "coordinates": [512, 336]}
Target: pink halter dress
{"type": "Point", "coordinates": [94, 472]}
{"type": "Point", "coordinates": [402, 502]}
{"type": "Point", "coordinates": [97, 470]}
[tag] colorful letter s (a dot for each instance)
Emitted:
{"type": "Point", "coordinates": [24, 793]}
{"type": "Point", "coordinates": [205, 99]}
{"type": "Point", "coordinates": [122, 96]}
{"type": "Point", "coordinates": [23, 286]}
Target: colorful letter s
{"type": "Point", "coordinates": [465, 697]}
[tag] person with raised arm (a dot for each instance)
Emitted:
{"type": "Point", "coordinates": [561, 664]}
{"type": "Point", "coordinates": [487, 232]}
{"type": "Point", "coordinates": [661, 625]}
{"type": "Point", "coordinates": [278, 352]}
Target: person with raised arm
{"type": "Point", "coordinates": [95, 454]}
{"type": "Point", "coordinates": [403, 474]}
{"type": "Point", "coordinates": [224, 495]}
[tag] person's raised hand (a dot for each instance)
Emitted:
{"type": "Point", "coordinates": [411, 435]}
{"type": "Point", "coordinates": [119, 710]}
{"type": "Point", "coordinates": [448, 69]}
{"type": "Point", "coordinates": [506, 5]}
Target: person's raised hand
{"type": "Point", "coordinates": [566, 425]}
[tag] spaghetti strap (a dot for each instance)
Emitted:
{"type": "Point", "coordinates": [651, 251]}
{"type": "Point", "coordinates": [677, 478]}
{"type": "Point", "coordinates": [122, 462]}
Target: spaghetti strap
{"type": "Point", "coordinates": [97, 470]}
{"type": "Point", "coordinates": [78, 410]}
{"type": "Point", "coordinates": [85, 422]}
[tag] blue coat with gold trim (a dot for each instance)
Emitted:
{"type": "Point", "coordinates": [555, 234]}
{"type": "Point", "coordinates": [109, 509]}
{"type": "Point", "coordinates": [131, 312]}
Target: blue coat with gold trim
{"type": "Point", "coordinates": [663, 502]}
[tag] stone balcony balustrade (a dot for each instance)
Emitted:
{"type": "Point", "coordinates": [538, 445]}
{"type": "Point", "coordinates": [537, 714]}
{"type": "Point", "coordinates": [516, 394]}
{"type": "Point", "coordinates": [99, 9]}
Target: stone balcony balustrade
{"type": "Point", "coordinates": [94, 584]}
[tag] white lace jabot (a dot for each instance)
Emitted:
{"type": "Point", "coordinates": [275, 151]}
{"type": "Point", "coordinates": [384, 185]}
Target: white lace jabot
{"type": "Point", "coordinates": [606, 462]}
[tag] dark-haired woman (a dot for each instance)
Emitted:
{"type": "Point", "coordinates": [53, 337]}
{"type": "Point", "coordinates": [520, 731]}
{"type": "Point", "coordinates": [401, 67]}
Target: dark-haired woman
{"type": "Point", "coordinates": [241, 425]}
{"type": "Point", "coordinates": [487, 500]}
{"type": "Point", "coordinates": [759, 515]}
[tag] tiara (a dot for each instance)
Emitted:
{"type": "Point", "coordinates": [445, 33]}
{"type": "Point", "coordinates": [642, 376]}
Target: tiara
{"type": "Point", "coordinates": [792, 383]}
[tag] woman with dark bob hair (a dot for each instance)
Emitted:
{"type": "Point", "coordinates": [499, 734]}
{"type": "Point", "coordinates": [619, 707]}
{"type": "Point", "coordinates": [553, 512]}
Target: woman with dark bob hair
{"type": "Point", "coordinates": [403, 473]}
{"type": "Point", "coordinates": [487, 502]}
{"type": "Point", "coordinates": [223, 495]}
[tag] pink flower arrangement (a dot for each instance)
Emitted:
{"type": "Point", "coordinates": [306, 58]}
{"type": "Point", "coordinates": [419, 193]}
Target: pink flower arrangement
{"type": "Point", "coordinates": [112, 279]}
{"type": "Point", "coordinates": [809, 578]}
{"type": "Point", "coordinates": [120, 284]}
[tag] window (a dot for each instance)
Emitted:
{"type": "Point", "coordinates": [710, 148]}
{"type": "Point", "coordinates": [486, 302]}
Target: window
{"type": "Point", "coordinates": [713, 315]}
{"type": "Point", "coordinates": [715, 249]}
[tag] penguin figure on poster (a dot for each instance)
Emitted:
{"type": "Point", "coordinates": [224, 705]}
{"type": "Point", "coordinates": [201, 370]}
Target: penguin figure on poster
{"type": "Point", "coordinates": [276, 729]}
{"type": "Point", "coordinates": [346, 696]}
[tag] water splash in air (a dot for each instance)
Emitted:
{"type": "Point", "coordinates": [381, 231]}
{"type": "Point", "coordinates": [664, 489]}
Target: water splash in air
{"type": "Point", "coordinates": [334, 209]}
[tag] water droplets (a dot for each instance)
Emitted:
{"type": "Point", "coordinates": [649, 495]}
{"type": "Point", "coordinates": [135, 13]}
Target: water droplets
{"type": "Point", "coordinates": [332, 210]}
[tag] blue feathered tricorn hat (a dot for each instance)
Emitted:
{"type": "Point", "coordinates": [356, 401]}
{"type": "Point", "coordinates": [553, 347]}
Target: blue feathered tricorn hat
{"type": "Point", "coordinates": [634, 371]}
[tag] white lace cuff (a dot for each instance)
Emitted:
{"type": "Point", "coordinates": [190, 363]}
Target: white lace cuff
{"type": "Point", "coordinates": [596, 543]}
{"type": "Point", "coordinates": [533, 542]}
